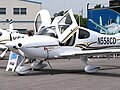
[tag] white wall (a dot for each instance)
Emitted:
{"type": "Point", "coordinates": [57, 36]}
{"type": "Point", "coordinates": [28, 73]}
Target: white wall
{"type": "Point", "coordinates": [32, 9]}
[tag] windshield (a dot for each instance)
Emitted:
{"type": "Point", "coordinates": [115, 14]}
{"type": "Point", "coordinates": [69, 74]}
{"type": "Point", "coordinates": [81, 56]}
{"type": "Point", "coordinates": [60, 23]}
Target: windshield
{"type": "Point", "coordinates": [50, 31]}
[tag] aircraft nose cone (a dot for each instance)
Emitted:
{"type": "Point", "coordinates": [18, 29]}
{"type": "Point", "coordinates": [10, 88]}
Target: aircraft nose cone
{"type": "Point", "coordinates": [12, 45]}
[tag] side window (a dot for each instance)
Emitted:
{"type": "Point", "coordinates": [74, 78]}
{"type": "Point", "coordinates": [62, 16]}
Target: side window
{"type": "Point", "coordinates": [16, 11]}
{"type": "Point", "coordinates": [19, 11]}
{"type": "Point", "coordinates": [83, 34]}
{"type": "Point", "coordinates": [23, 11]}
{"type": "Point", "coordinates": [65, 23]}
{"type": "Point", "coordinates": [2, 11]}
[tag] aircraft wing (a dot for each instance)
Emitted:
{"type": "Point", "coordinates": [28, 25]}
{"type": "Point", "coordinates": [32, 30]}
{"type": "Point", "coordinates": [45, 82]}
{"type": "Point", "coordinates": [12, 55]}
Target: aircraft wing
{"type": "Point", "coordinates": [89, 52]}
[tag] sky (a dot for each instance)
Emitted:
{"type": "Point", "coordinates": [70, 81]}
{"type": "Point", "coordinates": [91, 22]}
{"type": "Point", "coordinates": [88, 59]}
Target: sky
{"type": "Point", "coordinates": [55, 6]}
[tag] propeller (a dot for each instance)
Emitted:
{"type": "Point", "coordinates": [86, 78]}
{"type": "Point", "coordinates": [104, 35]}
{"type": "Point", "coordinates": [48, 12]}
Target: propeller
{"type": "Point", "coordinates": [10, 28]}
{"type": "Point", "coordinates": [11, 31]}
{"type": "Point", "coordinates": [18, 50]}
{"type": "Point", "coordinates": [11, 39]}
{"type": "Point", "coordinates": [3, 53]}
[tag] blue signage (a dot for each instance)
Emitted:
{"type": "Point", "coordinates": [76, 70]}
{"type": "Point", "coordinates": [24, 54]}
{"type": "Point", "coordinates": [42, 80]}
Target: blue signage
{"type": "Point", "coordinates": [13, 56]}
{"type": "Point", "coordinates": [105, 17]}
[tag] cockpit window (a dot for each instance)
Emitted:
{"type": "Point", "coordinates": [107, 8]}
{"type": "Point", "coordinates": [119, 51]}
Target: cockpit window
{"type": "Point", "coordinates": [83, 34]}
{"type": "Point", "coordinates": [64, 23]}
{"type": "Point", "coordinates": [50, 31]}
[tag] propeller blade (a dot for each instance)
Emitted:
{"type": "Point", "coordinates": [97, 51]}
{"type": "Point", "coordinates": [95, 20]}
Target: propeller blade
{"type": "Point", "coordinates": [10, 37]}
{"type": "Point", "coordinates": [11, 25]}
{"type": "Point", "coordinates": [11, 29]}
{"type": "Point", "coordinates": [3, 54]}
{"type": "Point", "coordinates": [21, 53]}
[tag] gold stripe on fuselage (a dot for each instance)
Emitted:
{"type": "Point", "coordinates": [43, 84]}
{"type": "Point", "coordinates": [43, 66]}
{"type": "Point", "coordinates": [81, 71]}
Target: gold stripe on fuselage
{"type": "Point", "coordinates": [69, 35]}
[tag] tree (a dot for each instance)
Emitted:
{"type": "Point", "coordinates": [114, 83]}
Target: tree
{"type": "Point", "coordinates": [97, 6]}
{"type": "Point", "coordinates": [83, 21]}
{"type": "Point", "coordinates": [61, 13]}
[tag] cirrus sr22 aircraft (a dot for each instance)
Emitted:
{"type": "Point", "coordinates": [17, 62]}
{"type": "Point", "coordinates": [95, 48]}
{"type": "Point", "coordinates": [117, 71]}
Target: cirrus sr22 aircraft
{"type": "Point", "coordinates": [65, 39]}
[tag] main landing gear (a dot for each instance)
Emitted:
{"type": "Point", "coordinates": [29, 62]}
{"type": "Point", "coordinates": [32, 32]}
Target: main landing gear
{"type": "Point", "coordinates": [23, 70]}
{"type": "Point", "coordinates": [89, 68]}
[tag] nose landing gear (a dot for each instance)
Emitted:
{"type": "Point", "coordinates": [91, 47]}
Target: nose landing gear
{"type": "Point", "coordinates": [22, 69]}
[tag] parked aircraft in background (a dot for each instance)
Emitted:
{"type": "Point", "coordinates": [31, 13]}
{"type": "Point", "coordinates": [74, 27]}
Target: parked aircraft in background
{"type": "Point", "coordinates": [7, 35]}
{"type": "Point", "coordinates": [112, 27]}
{"type": "Point", "coordinates": [64, 41]}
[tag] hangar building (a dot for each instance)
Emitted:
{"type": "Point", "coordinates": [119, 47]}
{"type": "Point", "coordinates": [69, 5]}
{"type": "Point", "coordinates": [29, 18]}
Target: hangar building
{"type": "Point", "coordinates": [22, 13]}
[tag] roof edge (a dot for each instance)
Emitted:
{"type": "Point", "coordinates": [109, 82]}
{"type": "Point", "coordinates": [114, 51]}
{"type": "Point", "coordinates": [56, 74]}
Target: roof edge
{"type": "Point", "coordinates": [31, 1]}
{"type": "Point", "coordinates": [103, 8]}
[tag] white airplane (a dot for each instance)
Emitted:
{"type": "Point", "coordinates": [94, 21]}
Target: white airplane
{"type": "Point", "coordinates": [113, 27]}
{"type": "Point", "coordinates": [63, 41]}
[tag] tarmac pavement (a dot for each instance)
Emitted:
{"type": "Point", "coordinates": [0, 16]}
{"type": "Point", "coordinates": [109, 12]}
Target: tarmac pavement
{"type": "Point", "coordinates": [66, 75]}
